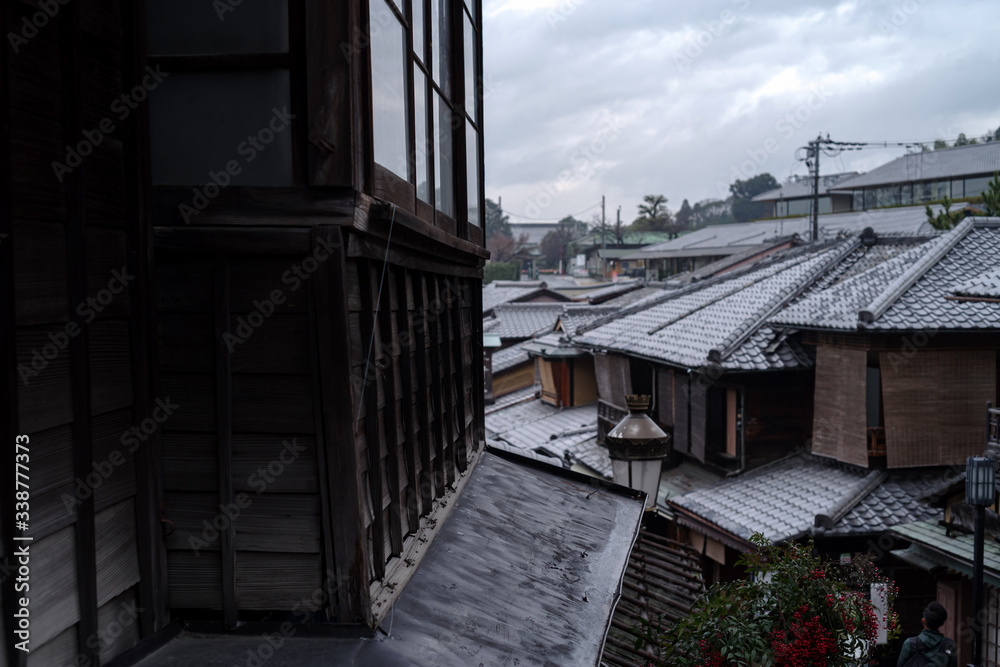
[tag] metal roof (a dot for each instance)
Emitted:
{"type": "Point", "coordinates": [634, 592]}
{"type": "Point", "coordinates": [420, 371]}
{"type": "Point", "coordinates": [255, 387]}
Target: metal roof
{"type": "Point", "coordinates": [522, 320]}
{"type": "Point", "coordinates": [935, 546]}
{"type": "Point", "coordinates": [738, 237]}
{"type": "Point", "coordinates": [803, 188]}
{"type": "Point", "coordinates": [525, 570]}
{"type": "Point", "coordinates": [908, 292]}
{"type": "Point", "coordinates": [977, 159]}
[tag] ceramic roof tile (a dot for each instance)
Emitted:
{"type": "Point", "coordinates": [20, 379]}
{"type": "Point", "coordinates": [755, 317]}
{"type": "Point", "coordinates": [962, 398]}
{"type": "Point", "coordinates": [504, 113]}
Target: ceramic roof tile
{"type": "Point", "coordinates": [780, 501]}
{"type": "Point", "coordinates": [522, 320]}
{"type": "Point", "coordinates": [896, 501]}
{"type": "Point", "coordinates": [985, 285]}
{"type": "Point", "coordinates": [509, 357]}
{"type": "Point", "coordinates": [519, 396]}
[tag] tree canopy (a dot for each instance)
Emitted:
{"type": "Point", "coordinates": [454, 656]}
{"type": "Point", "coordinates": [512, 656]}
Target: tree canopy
{"type": "Point", "coordinates": [553, 244]}
{"type": "Point", "coordinates": [743, 192]}
{"type": "Point", "coordinates": [496, 221]}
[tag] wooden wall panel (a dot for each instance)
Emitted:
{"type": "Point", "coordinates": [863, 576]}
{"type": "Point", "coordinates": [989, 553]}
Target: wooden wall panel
{"type": "Point", "coordinates": [60, 650]}
{"type": "Point", "coordinates": [107, 256]}
{"type": "Point", "coordinates": [278, 346]}
{"type": "Point", "coordinates": [698, 399]}
{"type": "Point", "coordinates": [273, 581]}
{"type": "Point", "coordinates": [194, 396]}
{"type": "Point", "coordinates": [186, 342]}
{"type": "Point", "coordinates": [190, 462]}
{"type": "Point", "coordinates": [272, 404]}
{"type": "Point", "coordinates": [113, 457]}
{"type": "Point", "coordinates": [117, 555]}
{"type": "Point", "coordinates": [55, 602]}
{"type": "Point", "coordinates": [183, 284]}
{"type": "Point", "coordinates": [665, 396]}
{"type": "Point", "coordinates": [110, 366]}
{"type": "Point", "coordinates": [613, 378]}
{"type": "Point", "coordinates": [839, 424]}
{"type": "Point", "coordinates": [40, 264]}
{"type": "Point", "coordinates": [35, 144]}
{"type": "Point", "coordinates": [682, 413]}
{"type": "Point", "coordinates": [118, 626]}
{"type": "Point", "coordinates": [195, 581]}
{"type": "Point", "coordinates": [45, 401]}
{"type": "Point", "coordinates": [275, 465]}
{"type": "Point", "coordinates": [934, 403]}
{"type": "Point", "coordinates": [278, 523]}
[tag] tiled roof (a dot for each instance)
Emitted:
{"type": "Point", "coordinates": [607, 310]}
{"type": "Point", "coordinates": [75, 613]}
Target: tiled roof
{"type": "Point", "coordinates": [586, 452]}
{"type": "Point", "coordinates": [897, 500]}
{"type": "Point", "coordinates": [931, 166]}
{"type": "Point", "coordinates": [634, 296]}
{"type": "Point", "coordinates": [609, 291]}
{"type": "Point", "coordinates": [908, 291]}
{"type": "Point", "coordinates": [511, 291]}
{"type": "Point", "coordinates": [577, 316]}
{"type": "Point", "coordinates": [522, 320]}
{"type": "Point", "coordinates": [721, 318]}
{"type": "Point", "coordinates": [737, 237]}
{"type": "Point", "coordinates": [509, 357]}
{"type": "Point", "coordinates": [519, 396]}
{"type": "Point", "coordinates": [780, 500]}
{"type": "Point", "coordinates": [803, 187]}
{"type": "Point", "coordinates": [985, 285]}
{"type": "Point", "coordinates": [663, 578]}
{"type": "Point", "coordinates": [685, 478]}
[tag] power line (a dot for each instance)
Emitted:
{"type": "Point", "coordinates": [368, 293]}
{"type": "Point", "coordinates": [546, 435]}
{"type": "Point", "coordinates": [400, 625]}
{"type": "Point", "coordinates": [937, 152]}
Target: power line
{"type": "Point", "coordinates": [571, 215]}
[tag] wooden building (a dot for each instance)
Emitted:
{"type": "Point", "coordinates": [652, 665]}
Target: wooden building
{"type": "Point", "coordinates": [243, 242]}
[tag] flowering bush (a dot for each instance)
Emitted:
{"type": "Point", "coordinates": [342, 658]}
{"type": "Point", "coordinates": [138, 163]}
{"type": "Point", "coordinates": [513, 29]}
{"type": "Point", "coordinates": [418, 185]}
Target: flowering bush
{"type": "Point", "coordinates": [792, 609]}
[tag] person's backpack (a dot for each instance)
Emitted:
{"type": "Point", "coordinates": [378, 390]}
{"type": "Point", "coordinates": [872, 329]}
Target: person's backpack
{"type": "Point", "coordinates": [936, 656]}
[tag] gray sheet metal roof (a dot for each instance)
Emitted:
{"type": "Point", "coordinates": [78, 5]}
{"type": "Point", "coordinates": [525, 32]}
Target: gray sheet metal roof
{"type": "Point", "coordinates": [522, 320]}
{"type": "Point", "coordinates": [526, 570]}
{"type": "Point", "coordinates": [935, 545]}
{"type": "Point", "coordinates": [738, 237]}
{"type": "Point", "coordinates": [947, 163]}
{"type": "Point", "coordinates": [803, 187]}
{"type": "Point", "coordinates": [685, 327]}
{"type": "Point", "coordinates": [985, 285]}
{"type": "Point", "coordinates": [908, 292]}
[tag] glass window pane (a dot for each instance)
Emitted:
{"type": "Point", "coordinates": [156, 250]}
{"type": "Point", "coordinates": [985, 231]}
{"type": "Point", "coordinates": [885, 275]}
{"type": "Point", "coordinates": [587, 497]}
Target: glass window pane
{"type": "Point", "coordinates": [399, 6]}
{"type": "Point", "coordinates": [422, 150]}
{"type": "Point", "coordinates": [824, 205]}
{"type": "Point", "coordinates": [472, 171]}
{"type": "Point", "coordinates": [907, 194]}
{"type": "Point", "coordinates": [417, 21]}
{"type": "Point", "coordinates": [444, 194]}
{"type": "Point", "coordinates": [957, 190]}
{"type": "Point", "coordinates": [388, 54]}
{"type": "Point", "coordinates": [922, 192]}
{"type": "Point", "coordinates": [857, 200]}
{"type": "Point", "coordinates": [941, 189]}
{"type": "Point", "coordinates": [976, 186]}
{"type": "Point", "coordinates": [441, 44]}
{"type": "Point", "coordinates": [870, 200]}
{"type": "Point", "coordinates": [470, 67]}
{"type": "Point", "coordinates": [190, 27]}
{"type": "Point", "coordinates": [222, 128]}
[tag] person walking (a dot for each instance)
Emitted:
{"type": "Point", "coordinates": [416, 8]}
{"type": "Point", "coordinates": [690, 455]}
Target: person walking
{"type": "Point", "coordinates": [930, 647]}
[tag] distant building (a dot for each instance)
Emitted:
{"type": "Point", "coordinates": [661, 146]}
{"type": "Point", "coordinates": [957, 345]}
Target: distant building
{"type": "Point", "coordinates": [795, 198]}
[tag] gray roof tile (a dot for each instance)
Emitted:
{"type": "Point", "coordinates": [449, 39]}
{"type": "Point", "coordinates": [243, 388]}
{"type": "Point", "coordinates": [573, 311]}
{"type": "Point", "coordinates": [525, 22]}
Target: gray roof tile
{"type": "Point", "coordinates": [522, 320]}
{"type": "Point", "coordinates": [985, 285]}
{"type": "Point", "coordinates": [509, 357]}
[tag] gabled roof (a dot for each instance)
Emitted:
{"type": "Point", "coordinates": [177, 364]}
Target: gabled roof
{"type": "Point", "coordinates": [513, 291]}
{"type": "Point", "coordinates": [803, 187]}
{"type": "Point", "coordinates": [909, 291]}
{"type": "Point", "coordinates": [977, 159]}
{"type": "Point", "coordinates": [608, 292]}
{"type": "Point", "coordinates": [576, 316]}
{"type": "Point", "coordinates": [522, 320]}
{"type": "Point", "coordinates": [805, 495]}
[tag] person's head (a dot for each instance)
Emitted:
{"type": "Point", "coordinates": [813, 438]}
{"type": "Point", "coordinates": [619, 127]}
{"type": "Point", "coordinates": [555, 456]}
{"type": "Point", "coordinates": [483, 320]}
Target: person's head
{"type": "Point", "coordinates": [934, 616]}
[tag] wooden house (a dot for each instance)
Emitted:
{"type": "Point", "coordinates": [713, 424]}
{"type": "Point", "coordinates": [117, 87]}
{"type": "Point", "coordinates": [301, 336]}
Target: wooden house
{"type": "Point", "coordinates": [243, 242]}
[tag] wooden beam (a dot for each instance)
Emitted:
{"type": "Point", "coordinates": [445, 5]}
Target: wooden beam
{"type": "Point", "coordinates": [370, 209]}
{"type": "Point", "coordinates": [390, 418]}
{"type": "Point", "coordinates": [369, 390]}
{"type": "Point", "coordinates": [411, 447]}
{"type": "Point", "coordinates": [79, 346]}
{"type": "Point", "coordinates": [223, 62]}
{"type": "Point", "coordinates": [361, 246]}
{"type": "Point", "coordinates": [224, 435]}
{"type": "Point", "coordinates": [350, 555]}
{"type": "Point", "coordinates": [463, 381]}
{"type": "Point", "coordinates": [428, 439]}
{"type": "Point", "coordinates": [440, 363]}
{"type": "Point", "coordinates": [246, 240]}
{"type": "Point", "coordinates": [257, 205]}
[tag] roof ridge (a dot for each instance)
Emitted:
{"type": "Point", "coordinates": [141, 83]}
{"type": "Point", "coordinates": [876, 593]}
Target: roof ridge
{"type": "Point", "coordinates": [747, 329]}
{"type": "Point", "coordinates": [908, 278]}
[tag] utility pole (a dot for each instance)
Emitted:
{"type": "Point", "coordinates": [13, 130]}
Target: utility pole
{"type": "Point", "coordinates": [813, 162]}
{"type": "Point", "coordinates": [618, 226]}
{"type": "Point", "coordinates": [604, 240]}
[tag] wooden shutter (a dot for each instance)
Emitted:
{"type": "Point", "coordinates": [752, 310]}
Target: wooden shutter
{"type": "Point", "coordinates": [613, 378]}
{"type": "Point", "coordinates": [839, 423]}
{"type": "Point", "coordinates": [934, 403]}
{"type": "Point", "coordinates": [699, 411]}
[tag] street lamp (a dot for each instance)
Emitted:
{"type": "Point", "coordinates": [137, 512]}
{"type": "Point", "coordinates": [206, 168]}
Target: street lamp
{"type": "Point", "coordinates": [979, 492]}
{"type": "Point", "coordinates": [638, 447]}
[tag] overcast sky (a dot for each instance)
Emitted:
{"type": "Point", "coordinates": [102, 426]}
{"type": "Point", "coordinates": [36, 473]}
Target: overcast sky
{"type": "Point", "coordinates": [631, 97]}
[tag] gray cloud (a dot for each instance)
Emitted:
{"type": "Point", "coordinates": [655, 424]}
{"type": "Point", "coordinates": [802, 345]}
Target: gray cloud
{"type": "Point", "coordinates": [697, 90]}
